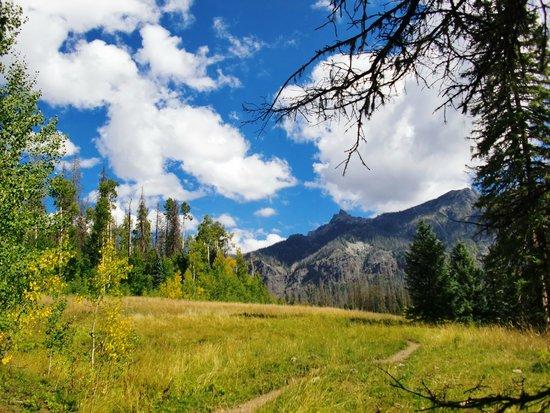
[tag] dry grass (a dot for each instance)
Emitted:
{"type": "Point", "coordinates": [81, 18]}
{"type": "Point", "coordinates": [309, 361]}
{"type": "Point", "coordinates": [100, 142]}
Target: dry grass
{"type": "Point", "coordinates": [203, 356]}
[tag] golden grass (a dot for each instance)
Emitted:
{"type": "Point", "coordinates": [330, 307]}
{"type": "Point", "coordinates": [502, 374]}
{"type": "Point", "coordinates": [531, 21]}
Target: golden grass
{"type": "Point", "coordinates": [204, 356]}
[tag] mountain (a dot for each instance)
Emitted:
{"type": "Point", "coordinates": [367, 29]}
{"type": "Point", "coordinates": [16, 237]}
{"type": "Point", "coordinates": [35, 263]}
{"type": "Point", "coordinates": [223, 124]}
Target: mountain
{"type": "Point", "coordinates": [353, 250]}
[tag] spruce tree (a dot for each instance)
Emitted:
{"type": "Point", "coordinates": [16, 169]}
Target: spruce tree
{"type": "Point", "coordinates": [102, 218]}
{"type": "Point", "coordinates": [427, 277]}
{"type": "Point", "coordinates": [185, 216]}
{"type": "Point", "coordinates": [142, 232]}
{"type": "Point", "coordinates": [468, 301]}
{"type": "Point", "coordinates": [173, 241]}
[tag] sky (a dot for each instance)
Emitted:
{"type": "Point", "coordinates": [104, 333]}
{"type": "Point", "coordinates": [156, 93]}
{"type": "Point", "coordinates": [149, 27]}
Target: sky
{"type": "Point", "coordinates": [152, 91]}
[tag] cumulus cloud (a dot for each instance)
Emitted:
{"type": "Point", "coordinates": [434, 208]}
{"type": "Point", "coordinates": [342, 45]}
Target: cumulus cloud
{"type": "Point", "coordinates": [265, 212]}
{"type": "Point", "coordinates": [243, 47]}
{"type": "Point", "coordinates": [248, 241]}
{"type": "Point", "coordinates": [168, 61]}
{"type": "Point", "coordinates": [182, 7]}
{"type": "Point", "coordinates": [149, 128]}
{"type": "Point", "coordinates": [226, 220]}
{"type": "Point", "coordinates": [412, 153]}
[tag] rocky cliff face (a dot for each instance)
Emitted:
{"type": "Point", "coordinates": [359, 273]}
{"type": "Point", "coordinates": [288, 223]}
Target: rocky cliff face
{"type": "Point", "coordinates": [350, 249]}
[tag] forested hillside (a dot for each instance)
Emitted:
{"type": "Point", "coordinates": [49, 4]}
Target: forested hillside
{"type": "Point", "coordinates": [359, 262]}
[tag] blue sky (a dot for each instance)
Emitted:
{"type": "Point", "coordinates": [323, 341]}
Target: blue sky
{"type": "Point", "coordinates": [153, 90]}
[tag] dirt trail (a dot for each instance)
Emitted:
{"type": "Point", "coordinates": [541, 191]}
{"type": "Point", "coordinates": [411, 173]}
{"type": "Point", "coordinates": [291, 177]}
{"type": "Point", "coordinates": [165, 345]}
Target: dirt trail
{"type": "Point", "coordinates": [402, 355]}
{"type": "Point", "coordinates": [254, 404]}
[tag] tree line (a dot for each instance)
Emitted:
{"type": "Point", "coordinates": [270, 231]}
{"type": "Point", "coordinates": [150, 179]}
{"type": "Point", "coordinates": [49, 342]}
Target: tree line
{"type": "Point", "coordinates": [162, 259]}
{"type": "Point", "coordinates": [456, 287]}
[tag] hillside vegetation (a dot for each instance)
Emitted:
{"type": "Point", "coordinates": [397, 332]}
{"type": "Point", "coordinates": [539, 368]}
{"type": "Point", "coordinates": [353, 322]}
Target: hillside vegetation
{"type": "Point", "coordinates": [199, 356]}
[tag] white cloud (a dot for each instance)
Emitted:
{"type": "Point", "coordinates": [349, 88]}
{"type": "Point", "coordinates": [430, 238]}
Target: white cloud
{"type": "Point", "coordinates": [182, 7]}
{"type": "Point", "coordinates": [226, 220]}
{"type": "Point", "coordinates": [243, 47]}
{"type": "Point", "coordinates": [196, 138]}
{"type": "Point", "coordinates": [84, 163]}
{"type": "Point", "coordinates": [248, 241]}
{"type": "Point", "coordinates": [68, 147]}
{"type": "Point", "coordinates": [168, 61]}
{"type": "Point", "coordinates": [148, 126]}
{"type": "Point", "coordinates": [265, 212]}
{"type": "Point", "coordinates": [413, 154]}
{"type": "Point", "coordinates": [322, 5]}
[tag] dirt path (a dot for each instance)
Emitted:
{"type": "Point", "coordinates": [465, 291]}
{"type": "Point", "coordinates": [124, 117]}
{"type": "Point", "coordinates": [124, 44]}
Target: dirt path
{"type": "Point", "coordinates": [402, 355]}
{"type": "Point", "coordinates": [254, 404]}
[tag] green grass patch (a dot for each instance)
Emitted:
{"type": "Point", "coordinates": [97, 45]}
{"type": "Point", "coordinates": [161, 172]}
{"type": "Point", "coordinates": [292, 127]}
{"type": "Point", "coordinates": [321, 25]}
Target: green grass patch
{"type": "Point", "coordinates": [195, 356]}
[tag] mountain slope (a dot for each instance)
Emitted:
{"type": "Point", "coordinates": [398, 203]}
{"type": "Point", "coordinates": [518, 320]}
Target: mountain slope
{"type": "Point", "coordinates": [351, 249]}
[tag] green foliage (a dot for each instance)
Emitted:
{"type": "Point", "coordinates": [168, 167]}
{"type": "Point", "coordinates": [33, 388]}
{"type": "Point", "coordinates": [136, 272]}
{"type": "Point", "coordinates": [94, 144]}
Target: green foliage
{"type": "Point", "coordinates": [513, 145]}
{"type": "Point", "coordinates": [102, 219]}
{"type": "Point", "coordinates": [142, 232]}
{"type": "Point", "coordinates": [58, 332]}
{"type": "Point", "coordinates": [427, 275]}
{"type": "Point", "coordinates": [469, 301]}
{"type": "Point", "coordinates": [173, 242]}
{"type": "Point", "coordinates": [29, 147]}
{"type": "Point", "coordinates": [11, 18]}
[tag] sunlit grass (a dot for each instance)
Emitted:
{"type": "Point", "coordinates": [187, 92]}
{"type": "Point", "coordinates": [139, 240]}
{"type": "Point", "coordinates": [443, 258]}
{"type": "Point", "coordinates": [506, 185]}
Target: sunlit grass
{"type": "Point", "coordinates": [200, 356]}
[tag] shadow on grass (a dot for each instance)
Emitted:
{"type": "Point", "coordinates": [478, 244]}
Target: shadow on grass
{"type": "Point", "coordinates": [377, 321]}
{"type": "Point", "coordinates": [266, 315]}
{"type": "Point", "coordinates": [20, 391]}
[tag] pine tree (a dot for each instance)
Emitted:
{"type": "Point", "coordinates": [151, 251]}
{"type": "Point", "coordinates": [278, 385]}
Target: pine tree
{"type": "Point", "coordinates": [63, 193]}
{"type": "Point", "coordinates": [427, 277]}
{"type": "Point", "coordinates": [513, 145]}
{"type": "Point", "coordinates": [468, 301]}
{"type": "Point", "coordinates": [142, 232]}
{"type": "Point", "coordinates": [173, 241]}
{"type": "Point", "coordinates": [185, 216]}
{"type": "Point", "coordinates": [102, 218]}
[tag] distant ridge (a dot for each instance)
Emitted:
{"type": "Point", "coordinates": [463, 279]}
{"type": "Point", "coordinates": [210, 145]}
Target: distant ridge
{"type": "Point", "coordinates": [351, 249]}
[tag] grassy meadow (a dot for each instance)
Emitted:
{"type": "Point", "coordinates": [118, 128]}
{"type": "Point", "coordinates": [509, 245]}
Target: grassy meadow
{"type": "Point", "coordinates": [199, 356]}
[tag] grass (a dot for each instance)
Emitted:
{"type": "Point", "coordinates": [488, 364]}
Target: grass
{"type": "Point", "coordinates": [197, 356]}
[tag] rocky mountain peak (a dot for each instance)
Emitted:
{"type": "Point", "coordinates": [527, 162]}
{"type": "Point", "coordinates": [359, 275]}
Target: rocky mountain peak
{"type": "Point", "coordinates": [350, 249]}
{"type": "Point", "coordinates": [340, 216]}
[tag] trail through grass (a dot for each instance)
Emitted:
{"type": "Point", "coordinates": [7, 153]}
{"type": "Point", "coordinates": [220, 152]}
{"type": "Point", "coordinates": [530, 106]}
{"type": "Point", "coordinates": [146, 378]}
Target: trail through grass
{"type": "Point", "coordinates": [196, 356]}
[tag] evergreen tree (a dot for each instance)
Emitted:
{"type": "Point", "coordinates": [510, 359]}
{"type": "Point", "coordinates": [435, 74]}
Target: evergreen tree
{"type": "Point", "coordinates": [102, 219]}
{"type": "Point", "coordinates": [142, 232]}
{"type": "Point", "coordinates": [513, 144]}
{"type": "Point", "coordinates": [427, 277]}
{"type": "Point", "coordinates": [63, 192]}
{"type": "Point", "coordinates": [468, 301]}
{"type": "Point", "coordinates": [185, 216]}
{"type": "Point", "coordinates": [173, 242]}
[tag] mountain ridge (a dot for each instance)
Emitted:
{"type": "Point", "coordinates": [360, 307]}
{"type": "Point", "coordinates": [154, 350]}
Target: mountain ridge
{"type": "Point", "coordinates": [354, 249]}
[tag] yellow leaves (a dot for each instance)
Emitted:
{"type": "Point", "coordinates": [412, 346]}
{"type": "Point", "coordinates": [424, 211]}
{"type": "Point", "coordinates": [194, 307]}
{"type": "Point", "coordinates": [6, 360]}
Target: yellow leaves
{"type": "Point", "coordinates": [111, 269]}
{"type": "Point", "coordinates": [117, 332]}
{"type": "Point", "coordinates": [44, 274]}
{"type": "Point", "coordinates": [6, 359]}
{"type": "Point", "coordinates": [172, 287]}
